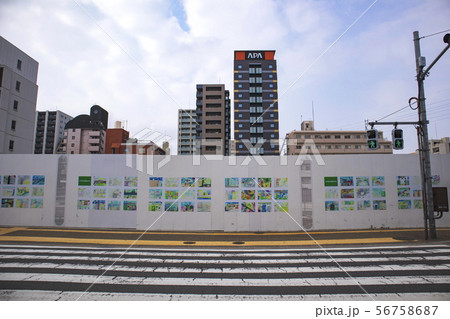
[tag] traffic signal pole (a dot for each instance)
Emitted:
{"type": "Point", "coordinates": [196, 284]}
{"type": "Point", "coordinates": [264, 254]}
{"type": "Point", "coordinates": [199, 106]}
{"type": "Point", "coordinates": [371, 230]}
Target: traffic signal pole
{"type": "Point", "coordinates": [424, 150]}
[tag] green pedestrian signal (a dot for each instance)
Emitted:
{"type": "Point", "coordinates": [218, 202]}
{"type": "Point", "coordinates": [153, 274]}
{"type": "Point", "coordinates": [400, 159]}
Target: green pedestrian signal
{"type": "Point", "coordinates": [372, 140]}
{"type": "Point", "coordinates": [397, 139]}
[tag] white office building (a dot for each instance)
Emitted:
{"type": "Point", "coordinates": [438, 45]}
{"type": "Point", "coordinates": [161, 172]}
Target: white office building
{"type": "Point", "coordinates": [18, 96]}
{"type": "Point", "coordinates": [49, 131]}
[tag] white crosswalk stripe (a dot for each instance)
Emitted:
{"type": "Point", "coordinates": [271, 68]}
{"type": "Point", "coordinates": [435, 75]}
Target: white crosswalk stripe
{"type": "Point", "coordinates": [379, 273]}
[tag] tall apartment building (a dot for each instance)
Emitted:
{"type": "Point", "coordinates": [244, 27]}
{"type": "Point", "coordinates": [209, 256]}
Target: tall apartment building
{"type": "Point", "coordinates": [186, 131]}
{"type": "Point", "coordinates": [86, 134]}
{"type": "Point", "coordinates": [256, 103]}
{"type": "Point", "coordinates": [49, 131]}
{"type": "Point", "coordinates": [18, 96]}
{"type": "Point", "coordinates": [441, 146]}
{"type": "Point", "coordinates": [308, 140]}
{"type": "Point", "coordinates": [213, 120]}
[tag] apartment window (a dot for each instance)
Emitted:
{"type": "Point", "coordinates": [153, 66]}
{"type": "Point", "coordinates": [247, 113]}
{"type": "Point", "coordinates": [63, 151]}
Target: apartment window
{"type": "Point", "coordinates": [317, 136]}
{"type": "Point", "coordinates": [347, 147]}
{"type": "Point", "coordinates": [270, 66]}
{"type": "Point", "coordinates": [18, 86]}
{"type": "Point", "coordinates": [270, 76]}
{"type": "Point", "coordinates": [239, 76]}
{"type": "Point", "coordinates": [239, 105]}
{"type": "Point", "coordinates": [272, 115]}
{"type": "Point", "coordinates": [357, 136]}
{"type": "Point", "coordinates": [357, 147]}
{"type": "Point", "coordinates": [240, 136]}
{"type": "Point", "coordinates": [19, 64]}
{"type": "Point", "coordinates": [272, 125]}
{"type": "Point", "coordinates": [337, 146]}
{"type": "Point", "coordinates": [327, 137]}
{"type": "Point", "coordinates": [73, 130]}
{"type": "Point", "coordinates": [271, 85]}
{"type": "Point", "coordinates": [240, 125]}
{"type": "Point", "coordinates": [239, 85]}
{"type": "Point", "coordinates": [71, 152]}
{"type": "Point", "coordinates": [387, 146]}
{"type": "Point", "coordinates": [240, 115]}
{"type": "Point", "coordinates": [259, 129]}
{"type": "Point", "coordinates": [72, 145]}
{"type": "Point", "coordinates": [241, 146]}
{"type": "Point", "coordinates": [337, 136]}
{"type": "Point", "coordinates": [11, 145]}
{"type": "Point", "coordinates": [239, 95]}
{"type": "Point", "coordinates": [73, 137]}
{"type": "Point", "coordinates": [328, 147]}
{"type": "Point", "coordinates": [15, 105]}
{"type": "Point", "coordinates": [13, 125]}
{"type": "Point", "coordinates": [318, 146]}
{"type": "Point", "coordinates": [347, 137]}
{"type": "Point", "coordinates": [239, 66]}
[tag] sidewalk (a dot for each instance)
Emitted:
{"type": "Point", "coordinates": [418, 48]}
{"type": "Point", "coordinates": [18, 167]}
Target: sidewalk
{"type": "Point", "coordinates": [121, 237]}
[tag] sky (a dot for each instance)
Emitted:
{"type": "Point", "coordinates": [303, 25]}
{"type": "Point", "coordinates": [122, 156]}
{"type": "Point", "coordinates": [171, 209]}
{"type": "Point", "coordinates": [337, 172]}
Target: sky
{"type": "Point", "coordinates": [339, 62]}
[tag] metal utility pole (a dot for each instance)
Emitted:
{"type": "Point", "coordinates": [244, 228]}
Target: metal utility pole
{"type": "Point", "coordinates": [424, 148]}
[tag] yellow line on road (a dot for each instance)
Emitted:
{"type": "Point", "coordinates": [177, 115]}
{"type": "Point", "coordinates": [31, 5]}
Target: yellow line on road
{"type": "Point", "coordinates": [197, 243]}
{"type": "Point", "coordinates": [4, 231]}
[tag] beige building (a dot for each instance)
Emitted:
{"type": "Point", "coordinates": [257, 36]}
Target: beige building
{"type": "Point", "coordinates": [441, 146]}
{"type": "Point", "coordinates": [308, 140]}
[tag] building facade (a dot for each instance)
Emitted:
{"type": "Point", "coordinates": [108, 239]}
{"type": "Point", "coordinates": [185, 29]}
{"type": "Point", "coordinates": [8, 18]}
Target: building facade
{"type": "Point", "coordinates": [118, 142]}
{"type": "Point", "coordinates": [440, 146]}
{"type": "Point", "coordinates": [308, 140]}
{"type": "Point", "coordinates": [256, 128]}
{"type": "Point", "coordinates": [18, 96]}
{"type": "Point", "coordinates": [186, 131]}
{"type": "Point", "coordinates": [49, 131]}
{"type": "Point", "coordinates": [213, 120]}
{"type": "Point", "coordinates": [86, 134]}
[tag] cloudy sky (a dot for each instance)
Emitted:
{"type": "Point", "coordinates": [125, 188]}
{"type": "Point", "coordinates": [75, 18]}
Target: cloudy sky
{"type": "Point", "coordinates": [141, 59]}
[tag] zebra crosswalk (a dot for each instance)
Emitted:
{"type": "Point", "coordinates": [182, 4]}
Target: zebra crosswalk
{"type": "Point", "coordinates": [364, 273]}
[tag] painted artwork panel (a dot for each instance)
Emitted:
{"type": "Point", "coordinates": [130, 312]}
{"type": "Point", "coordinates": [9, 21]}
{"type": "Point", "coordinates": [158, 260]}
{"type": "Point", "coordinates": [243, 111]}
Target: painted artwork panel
{"type": "Point", "coordinates": [415, 180]}
{"type": "Point", "coordinates": [330, 181]}
{"type": "Point", "coordinates": [9, 180]}
{"type": "Point", "coordinates": [248, 182]}
{"type": "Point", "coordinates": [187, 206]}
{"type": "Point", "coordinates": [188, 182]}
{"type": "Point", "coordinates": [84, 180]}
{"type": "Point", "coordinates": [204, 207]}
{"type": "Point", "coordinates": [402, 180]}
{"type": "Point", "coordinates": [172, 182]}
{"type": "Point", "coordinates": [23, 203]}
{"type": "Point", "coordinates": [130, 193]}
{"type": "Point", "coordinates": [264, 194]}
{"type": "Point", "coordinates": [378, 192]}
{"type": "Point", "coordinates": [281, 182]}
{"type": "Point", "coordinates": [264, 207]}
{"type": "Point", "coordinates": [155, 193]}
{"type": "Point", "coordinates": [100, 181]}
{"type": "Point", "coordinates": [204, 182]}
{"type": "Point", "coordinates": [84, 192]}
{"type": "Point", "coordinates": [188, 194]}
{"type": "Point", "coordinates": [22, 191]}
{"type": "Point", "coordinates": [203, 194]}
{"type": "Point", "coordinates": [129, 205]}
{"type": "Point", "coordinates": [417, 193]}
{"type": "Point", "coordinates": [281, 194]}
{"type": "Point", "coordinates": [114, 205]}
{"type": "Point", "coordinates": [348, 205]}
{"type": "Point", "coordinates": [99, 204]}
{"type": "Point", "coordinates": [99, 193]}
{"type": "Point", "coordinates": [403, 192]}
{"type": "Point", "coordinates": [38, 180]}
{"type": "Point", "coordinates": [404, 204]}
{"type": "Point", "coordinates": [281, 207]}
{"type": "Point", "coordinates": [115, 193]}
{"type": "Point", "coordinates": [331, 193]}
{"type": "Point", "coordinates": [247, 207]}
{"type": "Point", "coordinates": [364, 205]}
{"type": "Point", "coordinates": [435, 180]}
{"type": "Point", "coordinates": [418, 204]}
{"type": "Point", "coordinates": [8, 191]}
{"type": "Point", "coordinates": [231, 182]}
{"type": "Point", "coordinates": [264, 182]}
{"type": "Point", "coordinates": [362, 181]}
{"type": "Point", "coordinates": [155, 181]}
{"type": "Point", "coordinates": [347, 193]}
{"type": "Point", "coordinates": [377, 180]}
{"type": "Point", "coordinates": [232, 206]}
{"type": "Point", "coordinates": [232, 195]}
{"type": "Point", "coordinates": [248, 194]}
{"type": "Point", "coordinates": [37, 191]}
{"type": "Point", "coordinates": [171, 206]}
{"type": "Point", "coordinates": [115, 181]}
{"type": "Point", "coordinates": [379, 205]}
{"type": "Point", "coordinates": [171, 194]}
{"type": "Point", "coordinates": [155, 206]}
{"type": "Point", "coordinates": [346, 180]}
{"type": "Point", "coordinates": [130, 181]}
{"type": "Point", "coordinates": [331, 206]}
{"type": "Point", "coordinates": [24, 180]}
{"type": "Point", "coordinates": [84, 204]}
{"type": "Point", "coordinates": [37, 203]}
{"type": "Point", "coordinates": [363, 192]}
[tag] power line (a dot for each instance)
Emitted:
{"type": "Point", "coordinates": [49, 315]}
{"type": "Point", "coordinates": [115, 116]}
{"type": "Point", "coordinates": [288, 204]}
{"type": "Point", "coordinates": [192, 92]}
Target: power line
{"type": "Point", "coordinates": [430, 35]}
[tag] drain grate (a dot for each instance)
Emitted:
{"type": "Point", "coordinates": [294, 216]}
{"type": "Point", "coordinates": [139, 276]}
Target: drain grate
{"type": "Point", "coordinates": [238, 242]}
{"type": "Point", "coordinates": [189, 242]}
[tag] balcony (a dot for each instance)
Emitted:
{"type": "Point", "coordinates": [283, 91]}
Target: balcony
{"type": "Point", "coordinates": [93, 148]}
{"type": "Point", "coordinates": [94, 133]}
{"type": "Point", "coordinates": [94, 141]}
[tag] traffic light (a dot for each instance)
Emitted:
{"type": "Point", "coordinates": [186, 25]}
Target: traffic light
{"type": "Point", "coordinates": [372, 139]}
{"type": "Point", "coordinates": [397, 139]}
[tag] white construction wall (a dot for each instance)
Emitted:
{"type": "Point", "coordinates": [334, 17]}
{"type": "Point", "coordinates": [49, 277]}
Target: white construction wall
{"type": "Point", "coordinates": [195, 193]}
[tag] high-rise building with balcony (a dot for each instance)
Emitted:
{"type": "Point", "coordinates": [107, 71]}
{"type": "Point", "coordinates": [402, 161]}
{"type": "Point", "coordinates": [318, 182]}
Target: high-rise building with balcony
{"type": "Point", "coordinates": [18, 96]}
{"type": "Point", "coordinates": [186, 131]}
{"type": "Point", "coordinates": [256, 128]}
{"type": "Point", "coordinates": [213, 120]}
{"type": "Point", "coordinates": [86, 134]}
{"type": "Point", "coordinates": [49, 131]}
